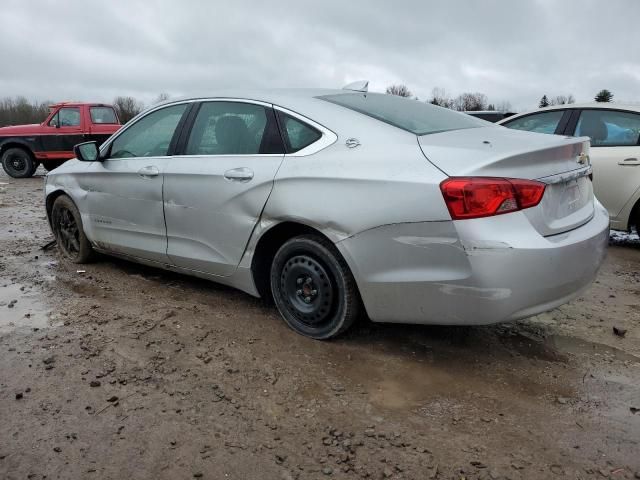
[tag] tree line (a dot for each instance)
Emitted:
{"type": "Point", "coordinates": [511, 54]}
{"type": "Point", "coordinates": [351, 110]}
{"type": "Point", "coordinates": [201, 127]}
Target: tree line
{"type": "Point", "coordinates": [21, 111]}
{"type": "Point", "coordinates": [476, 101]}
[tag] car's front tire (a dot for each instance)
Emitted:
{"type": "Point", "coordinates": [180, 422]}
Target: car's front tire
{"type": "Point", "coordinates": [66, 224]}
{"type": "Point", "coordinates": [313, 287]}
{"type": "Point", "coordinates": [18, 163]}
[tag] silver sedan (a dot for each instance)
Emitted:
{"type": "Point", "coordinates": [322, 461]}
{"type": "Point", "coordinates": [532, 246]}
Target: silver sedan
{"type": "Point", "coordinates": [340, 203]}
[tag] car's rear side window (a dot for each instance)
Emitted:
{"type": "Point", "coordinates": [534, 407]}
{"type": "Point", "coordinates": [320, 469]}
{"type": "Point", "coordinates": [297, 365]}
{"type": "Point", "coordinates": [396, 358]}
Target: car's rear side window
{"type": "Point", "coordinates": [233, 128]}
{"type": "Point", "coordinates": [414, 116]}
{"type": "Point", "coordinates": [296, 133]}
{"type": "Point", "coordinates": [100, 115]}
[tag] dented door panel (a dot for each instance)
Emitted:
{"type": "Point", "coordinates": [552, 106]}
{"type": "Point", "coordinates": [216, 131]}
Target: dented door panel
{"type": "Point", "coordinates": [210, 216]}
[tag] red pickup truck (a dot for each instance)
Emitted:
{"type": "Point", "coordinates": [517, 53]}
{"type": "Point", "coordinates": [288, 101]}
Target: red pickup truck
{"type": "Point", "coordinates": [24, 147]}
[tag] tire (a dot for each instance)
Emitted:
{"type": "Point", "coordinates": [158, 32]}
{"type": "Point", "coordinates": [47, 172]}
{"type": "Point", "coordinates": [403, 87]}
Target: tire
{"type": "Point", "coordinates": [18, 163]}
{"type": "Point", "coordinates": [313, 287]}
{"type": "Point", "coordinates": [66, 224]}
{"type": "Point", "coordinates": [52, 164]}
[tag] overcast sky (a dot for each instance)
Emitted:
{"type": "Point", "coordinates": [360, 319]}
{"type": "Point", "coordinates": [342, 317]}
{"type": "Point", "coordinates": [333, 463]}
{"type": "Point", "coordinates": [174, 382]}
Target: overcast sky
{"type": "Point", "coordinates": [510, 50]}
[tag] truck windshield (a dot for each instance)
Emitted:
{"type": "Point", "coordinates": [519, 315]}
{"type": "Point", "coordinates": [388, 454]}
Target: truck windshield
{"type": "Point", "coordinates": [103, 115]}
{"type": "Point", "coordinates": [417, 117]}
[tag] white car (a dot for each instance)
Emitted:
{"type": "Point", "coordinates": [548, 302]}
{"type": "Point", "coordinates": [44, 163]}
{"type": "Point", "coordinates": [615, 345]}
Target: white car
{"type": "Point", "coordinates": [614, 130]}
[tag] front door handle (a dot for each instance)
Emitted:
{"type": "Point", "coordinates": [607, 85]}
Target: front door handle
{"type": "Point", "coordinates": [629, 162]}
{"type": "Point", "coordinates": [242, 174]}
{"type": "Point", "coordinates": [149, 171]}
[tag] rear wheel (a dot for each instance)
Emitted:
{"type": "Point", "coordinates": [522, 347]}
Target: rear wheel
{"type": "Point", "coordinates": [313, 287]}
{"type": "Point", "coordinates": [18, 163]}
{"type": "Point", "coordinates": [67, 228]}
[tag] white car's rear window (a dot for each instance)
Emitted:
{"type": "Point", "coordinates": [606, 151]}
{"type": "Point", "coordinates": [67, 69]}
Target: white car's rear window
{"type": "Point", "coordinates": [414, 116]}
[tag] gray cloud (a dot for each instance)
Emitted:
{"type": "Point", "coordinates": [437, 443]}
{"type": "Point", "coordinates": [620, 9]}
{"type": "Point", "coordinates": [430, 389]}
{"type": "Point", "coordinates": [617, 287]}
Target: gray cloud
{"type": "Point", "coordinates": [510, 50]}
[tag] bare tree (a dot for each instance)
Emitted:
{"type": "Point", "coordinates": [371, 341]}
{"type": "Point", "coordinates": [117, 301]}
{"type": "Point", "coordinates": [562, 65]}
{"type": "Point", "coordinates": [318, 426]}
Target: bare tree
{"type": "Point", "coordinates": [440, 97]}
{"type": "Point", "coordinates": [562, 100]}
{"type": "Point", "coordinates": [399, 90]}
{"type": "Point", "coordinates": [504, 106]}
{"type": "Point", "coordinates": [469, 102]}
{"type": "Point", "coordinates": [19, 110]}
{"type": "Point", "coordinates": [163, 97]}
{"type": "Point", "coordinates": [127, 108]}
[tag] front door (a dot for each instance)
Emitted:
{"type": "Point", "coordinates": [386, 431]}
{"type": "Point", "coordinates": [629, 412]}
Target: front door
{"type": "Point", "coordinates": [214, 192]}
{"type": "Point", "coordinates": [125, 190]}
{"type": "Point", "coordinates": [64, 131]}
{"type": "Point", "coordinates": [614, 153]}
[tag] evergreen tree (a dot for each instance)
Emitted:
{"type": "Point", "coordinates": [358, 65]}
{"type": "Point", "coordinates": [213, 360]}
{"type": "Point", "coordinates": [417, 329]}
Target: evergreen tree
{"type": "Point", "coordinates": [604, 95]}
{"type": "Point", "coordinates": [544, 102]}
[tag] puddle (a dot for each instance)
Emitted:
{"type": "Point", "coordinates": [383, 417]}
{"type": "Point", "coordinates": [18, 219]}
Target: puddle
{"type": "Point", "coordinates": [28, 311]}
{"type": "Point", "coordinates": [577, 346]}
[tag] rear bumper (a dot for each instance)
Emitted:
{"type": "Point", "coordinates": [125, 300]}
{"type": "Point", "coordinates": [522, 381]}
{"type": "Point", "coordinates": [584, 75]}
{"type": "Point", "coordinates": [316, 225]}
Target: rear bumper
{"type": "Point", "coordinates": [473, 272]}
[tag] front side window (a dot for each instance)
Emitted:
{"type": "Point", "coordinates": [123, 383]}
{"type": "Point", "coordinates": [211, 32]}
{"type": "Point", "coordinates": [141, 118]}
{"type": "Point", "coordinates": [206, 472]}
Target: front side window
{"type": "Point", "coordinates": [417, 117]}
{"type": "Point", "coordinates": [69, 117]}
{"type": "Point", "coordinates": [544, 122]}
{"type": "Point", "coordinates": [296, 133]}
{"type": "Point", "coordinates": [609, 127]}
{"type": "Point", "coordinates": [66, 117]}
{"type": "Point", "coordinates": [101, 115]}
{"type": "Point", "coordinates": [233, 128]}
{"type": "Point", "coordinates": [150, 136]}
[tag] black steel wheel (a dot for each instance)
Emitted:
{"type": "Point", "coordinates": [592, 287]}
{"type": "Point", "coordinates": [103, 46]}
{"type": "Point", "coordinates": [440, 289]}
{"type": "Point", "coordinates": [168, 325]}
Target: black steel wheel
{"type": "Point", "coordinates": [66, 224]}
{"type": "Point", "coordinates": [313, 287]}
{"type": "Point", "coordinates": [18, 163]}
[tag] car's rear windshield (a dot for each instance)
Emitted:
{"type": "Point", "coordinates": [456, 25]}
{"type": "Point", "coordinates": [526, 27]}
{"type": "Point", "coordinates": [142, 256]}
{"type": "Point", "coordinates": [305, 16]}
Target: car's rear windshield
{"type": "Point", "coordinates": [415, 116]}
{"type": "Point", "coordinates": [103, 115]}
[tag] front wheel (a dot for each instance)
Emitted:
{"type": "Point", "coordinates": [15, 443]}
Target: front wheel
{"type": "Point", "coordinates": [313, 287]}
{"type": "Point", "coordinates": [66, 224]}
{"type": "Point", "coordinates": [18, 163]}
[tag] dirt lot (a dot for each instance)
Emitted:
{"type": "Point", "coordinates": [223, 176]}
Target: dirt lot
{"type": "Point", "coordinates": [122, 371]}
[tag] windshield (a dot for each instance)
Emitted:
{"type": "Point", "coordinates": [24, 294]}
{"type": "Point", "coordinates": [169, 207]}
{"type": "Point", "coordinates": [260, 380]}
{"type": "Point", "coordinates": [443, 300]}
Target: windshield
{"type": "Point", "coordinates": [414, 116]}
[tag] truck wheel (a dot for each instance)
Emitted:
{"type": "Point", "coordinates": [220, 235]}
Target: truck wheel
{"type": "Point", "coordinates": [18, 163]}
{"type": "Point", "coordinates": [52, 164]}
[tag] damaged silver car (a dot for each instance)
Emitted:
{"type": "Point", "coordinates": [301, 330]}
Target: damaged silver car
{"type": "Point", "coordinates": [337, 203]}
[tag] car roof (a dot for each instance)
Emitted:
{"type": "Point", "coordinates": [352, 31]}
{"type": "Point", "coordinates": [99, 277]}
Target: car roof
{"type": "Point", "coordinates": [304, 101]}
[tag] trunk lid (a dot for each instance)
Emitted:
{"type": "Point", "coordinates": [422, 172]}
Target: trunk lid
{"type": "Point", "coordinates": [495, 151]}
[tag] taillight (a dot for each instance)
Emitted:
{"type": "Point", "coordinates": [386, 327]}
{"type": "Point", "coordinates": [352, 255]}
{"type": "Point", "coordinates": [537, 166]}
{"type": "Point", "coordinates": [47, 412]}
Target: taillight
{"type": "Point", "coordinates": [475, 197]}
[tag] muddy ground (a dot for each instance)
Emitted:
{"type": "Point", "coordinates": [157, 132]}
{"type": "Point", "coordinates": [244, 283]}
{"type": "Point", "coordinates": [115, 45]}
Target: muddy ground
{"type": "Point", "coordinates": [123, 371]}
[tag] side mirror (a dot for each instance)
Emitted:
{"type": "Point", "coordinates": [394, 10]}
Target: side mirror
{"type": "Point", "coordinates": [87, 151]}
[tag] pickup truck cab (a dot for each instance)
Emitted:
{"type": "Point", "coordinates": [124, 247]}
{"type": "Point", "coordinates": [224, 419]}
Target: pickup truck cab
{"type": "Point", "coordinates": [50, 143]}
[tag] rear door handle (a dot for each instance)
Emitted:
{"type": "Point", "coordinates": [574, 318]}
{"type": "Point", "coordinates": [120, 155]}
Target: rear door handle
{"type": "Point", "coordinates": [629, 162]}
{"type": "Point", "coordinates": [149, 171]}
{"type": "Point", "coordinates": [242, 174]}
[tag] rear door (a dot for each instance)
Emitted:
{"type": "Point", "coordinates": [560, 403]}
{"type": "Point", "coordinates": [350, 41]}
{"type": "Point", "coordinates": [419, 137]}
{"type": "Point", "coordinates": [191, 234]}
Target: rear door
{"type": "Point", "coordinates": [614, 153]}
{"type": "Point", "coordinates": [215, 190]}
{"type": "Point", "coordinates": [124, 192]}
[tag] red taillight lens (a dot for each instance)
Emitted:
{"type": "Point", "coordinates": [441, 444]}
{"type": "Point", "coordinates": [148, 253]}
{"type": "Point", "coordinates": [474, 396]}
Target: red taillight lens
{"type": "Point", "coordinates": [475, 197]}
